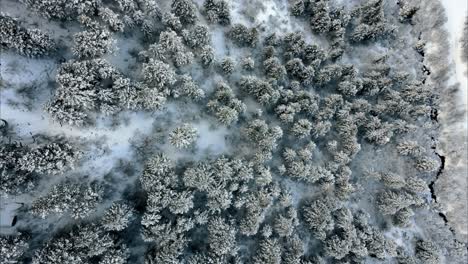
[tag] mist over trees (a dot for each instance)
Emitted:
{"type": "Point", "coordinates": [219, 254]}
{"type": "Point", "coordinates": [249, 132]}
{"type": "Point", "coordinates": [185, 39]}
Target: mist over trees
{"type": "Point", "coordinates": [305, 133]}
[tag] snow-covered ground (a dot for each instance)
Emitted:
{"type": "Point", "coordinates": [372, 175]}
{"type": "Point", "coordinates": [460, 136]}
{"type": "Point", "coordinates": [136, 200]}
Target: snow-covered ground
{"type": "Point", "coordinates": [456, 11]}
{"type": "Point", "coordinates": [452, 185]}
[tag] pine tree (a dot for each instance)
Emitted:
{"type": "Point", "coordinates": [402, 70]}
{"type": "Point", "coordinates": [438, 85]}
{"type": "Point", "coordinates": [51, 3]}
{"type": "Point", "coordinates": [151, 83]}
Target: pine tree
{"type": "Point", "coordinates": [268, 252]}
{"type": "Point", "coordinates": [427, 252]}
{"type": "Point", "coordinates": [302, 128]}
{"type": "Point", "coordinates": [206, 55]}
{"type": "Point", "coordinates": [248, 64]}
{"type": "Point", "coordinates": [185, 10]}
{"type": "Point", "coordinates": [117, 217]}
{"type": "Point", "coordinates": [227, 66]}
{"type": "Point", "coordinates": [426, 164]}
{"type": "Point", "coordinates": [183, 136]}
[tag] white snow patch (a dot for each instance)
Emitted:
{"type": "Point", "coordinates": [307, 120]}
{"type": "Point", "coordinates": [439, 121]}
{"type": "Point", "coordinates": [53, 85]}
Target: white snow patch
{"type": "Point", "coordinates": [8, 206]}
{"type": "Point", "coordinates": [275, 10]}
{"type": "Point", "coordinates": [117, 139]}
{"type": "Point", "coordinates": [21, 70]}
{"type": "Point", "coordinates": [122, 58]}
{"type": "Point", "coordinates": [212, 139]}
{"type": "Point", "coordinates": [218, 42]}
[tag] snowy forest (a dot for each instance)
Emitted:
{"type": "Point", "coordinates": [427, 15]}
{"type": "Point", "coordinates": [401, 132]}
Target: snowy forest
{"type": "Point", "coordinates": [233, 131]}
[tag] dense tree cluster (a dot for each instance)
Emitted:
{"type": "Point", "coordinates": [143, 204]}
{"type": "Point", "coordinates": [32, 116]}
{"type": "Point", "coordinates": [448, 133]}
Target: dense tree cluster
{"type": "Point", "coordinates": [12, 248]}
{"type": "Point", "coordinates": [263, 136]}
{"type": "Point", "coordinates": [63, 9]}
{"type": "Point", "coordinates": [77, 199]}
{"type": "Point", "coordinates": [95, 85]}
{"type": "Point", "coordinates": [21, 165]}
{"type": "Point", "coordinates": [92, 43]}
{"type": "Point", "coordinates": [346, 234]}
{"type": "Point", "coordinates": [29, 42]}
{"type": "Point", "coordinates": [81, 245]}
